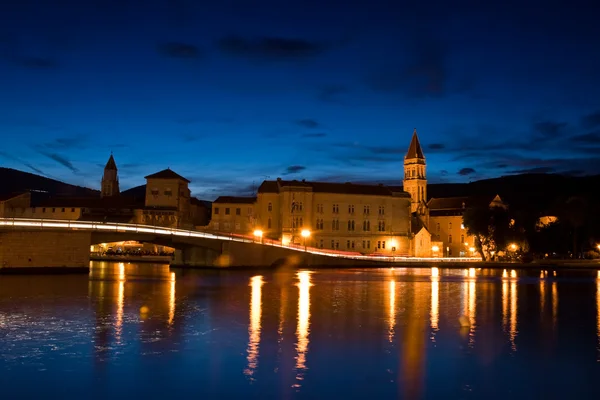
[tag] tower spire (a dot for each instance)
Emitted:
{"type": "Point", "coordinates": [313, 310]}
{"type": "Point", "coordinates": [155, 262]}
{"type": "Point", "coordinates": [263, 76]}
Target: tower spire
{"type": "Point", "coordinates": [415, 150]}
{"type": "Point", "coordinates": [110, 178]}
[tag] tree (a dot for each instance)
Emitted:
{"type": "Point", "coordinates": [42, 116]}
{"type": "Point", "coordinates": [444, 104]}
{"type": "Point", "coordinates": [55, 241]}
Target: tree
{"type": "Point", "coordinates": [491, 227]}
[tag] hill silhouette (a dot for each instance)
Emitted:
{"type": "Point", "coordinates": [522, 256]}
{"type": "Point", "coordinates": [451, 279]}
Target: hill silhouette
{"type": "Point", "coordinates": [14, 181]}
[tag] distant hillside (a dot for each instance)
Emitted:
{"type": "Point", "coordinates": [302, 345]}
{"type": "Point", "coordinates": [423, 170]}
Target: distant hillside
{"type": "Point", "coordinates": [15, 181]}
{"type": "Point", "coordinates": [519, 190]}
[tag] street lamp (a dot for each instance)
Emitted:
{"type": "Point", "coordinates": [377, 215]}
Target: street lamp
{"type": "Point", "coordinates": [305, 234]}
{"type": "Point", "coordinates": [259, 234]}
{"type": "Point", "coordinates": [513, 247]}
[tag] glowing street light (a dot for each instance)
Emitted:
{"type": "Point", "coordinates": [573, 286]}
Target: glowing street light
{"type": "Point", "coordinates": [513, 247]}
{"type": "Point", "coordinates": [259, 234]}
{"type": "Point", "coordinates": [305, 234]}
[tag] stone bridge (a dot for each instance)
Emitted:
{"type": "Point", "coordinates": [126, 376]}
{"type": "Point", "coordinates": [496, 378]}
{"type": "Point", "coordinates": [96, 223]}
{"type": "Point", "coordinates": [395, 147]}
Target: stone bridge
{"type": "Point", "coordinates": [66, 243]}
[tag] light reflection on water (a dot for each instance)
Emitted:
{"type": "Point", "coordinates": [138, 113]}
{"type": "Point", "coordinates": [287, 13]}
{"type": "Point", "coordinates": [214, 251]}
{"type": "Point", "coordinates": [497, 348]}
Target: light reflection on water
{"type": "Point", "coordinates": [144, 330]}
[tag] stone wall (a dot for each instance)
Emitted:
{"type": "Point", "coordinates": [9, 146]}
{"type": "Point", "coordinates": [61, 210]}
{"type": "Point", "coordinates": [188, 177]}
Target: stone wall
{"type": "Point", "coordinates": [22, 249]}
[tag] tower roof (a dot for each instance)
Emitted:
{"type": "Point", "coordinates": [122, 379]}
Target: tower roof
{"type": "Point", "coordinates": [415, 151]}
{"type": "Point", "coordinates": [111, 164]}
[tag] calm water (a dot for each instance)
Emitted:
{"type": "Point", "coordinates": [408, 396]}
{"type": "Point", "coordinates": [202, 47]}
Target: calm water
{"type": "Point", "coordinates": [145, 331]}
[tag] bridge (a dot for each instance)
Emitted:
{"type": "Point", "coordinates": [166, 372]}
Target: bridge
{"type": "Point", "coordinates": [20, 237]}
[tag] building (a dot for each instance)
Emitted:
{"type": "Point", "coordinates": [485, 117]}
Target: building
{"type": "Point", "coordinates": [164, 200]}
{"type": "Point", "coordinates": [391, 220]}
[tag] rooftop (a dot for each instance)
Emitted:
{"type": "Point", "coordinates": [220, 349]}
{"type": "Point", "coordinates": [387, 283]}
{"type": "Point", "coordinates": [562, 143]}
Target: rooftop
{"type": "Point", "coordinates": [333, 188]}
{"type": "Point", "coordinates": [235, 200]}
{"type": "Point", "coordinates": [166, 174]}
{"type": "Point", "coordinates": [414, 150]}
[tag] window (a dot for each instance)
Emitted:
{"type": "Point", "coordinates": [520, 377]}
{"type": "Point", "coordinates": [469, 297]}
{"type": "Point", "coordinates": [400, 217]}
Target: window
{"type": "Point", "coordinates": [249, 211]}
{"type": "Point", "coordinates": [383, 244]}
{"type": "Point", "coordinates": [438, 227]}
{"type": "Point", "coordinates": [154, 191]}
{"type": "Point", "coordinates": [168, 192]}
{"type": "Point", "coordinates": [299, 205]}
{"type": "Point", "coordinates": [319, 224]}
{"type": "Point", "coordinates": [347, 244]}
{"type": "Point", "coordinates": [238, 211]}
{"type": "Point", "coordinates": [54, 210]}
{"type": "Point", "coordinates": [462, 238]}
{"type": "Point", "coordinates": [336, 208]}
{"type": "Point", "coordinates": [381, 226]}
{"type": "Point", "coordinates": [351, 209]}
{"type": "Point", "coordinates": [368, 244]}
{"type": "Point", "coordinates": [216, 210]}
{"type": "Point", "coordinates": [63, 210]}
{"type": "Point", "coordinates": [379, 244]}
{"type": "Point", "coordinates": [270, 207]}
{"type": "Point", "coordinates": [335, 225]}
{"type": "Point", "coordinates": [366, 226]}
{"type": "Point", "coordinates": [352, 244]}
{"type": "Point", "coordinates": [449, 226]}
{"type": "Point", "coordinates": [351, 225]}
{"type": "Point", "coordinates": [227, 211]}
{"type": "Point", "coordinates": [381, 210]}
{"type": "Point", "coordinates": [337, 244]}
{"type": "Point", "coordinates": [44, 209]}
{"type": "Point", "coordinates": [366, 210]}
{"type": "Point", "coordinates": [72, 210]}
{"type": "Point", "coordinates": [333, 244]}
{"type": "Point", "coordinates": [321, 244]}
{"type": "Point", "coordinates": [449, 239]}
{"type": "Point", "coordinates": [269, 223]}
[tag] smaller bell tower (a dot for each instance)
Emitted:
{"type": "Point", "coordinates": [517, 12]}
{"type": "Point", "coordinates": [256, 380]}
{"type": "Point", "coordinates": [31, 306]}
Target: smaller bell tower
{"type": "Point", "coordinates": [415, 178]}
{"type": "Point", "coordinates": [110, 179]}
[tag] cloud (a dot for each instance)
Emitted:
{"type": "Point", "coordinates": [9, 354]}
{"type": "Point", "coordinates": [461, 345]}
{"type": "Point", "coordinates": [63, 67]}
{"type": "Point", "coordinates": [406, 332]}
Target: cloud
{"type": "Point", "coordinates": [549, 129]}
{"type": "Point", "coordinates": [314, 135]}
{"type": "Point", "coordinates": [591, 120]}
{"type": "Point", "coordinates": [179, 50]}
{"type": "Point", "coordinates": [535, 170]}
{"type": "Point", "coordinates": [436, 146]}
{"type": "Point", "coordinates": [37, 63]}
{"type": "Point", "coordinates": [60, 159]}
{"type": "Point", "coordinates": [424, 73]}
{"type": "Point", "coordinates": [331, 93]}
{"type": "Point", "coordinates": [294, 169]}
{"type": "Point", "coordinates": [25, 163]}
{"type": "Point", "coordinates": [466, 171]}
{"type": "Point", "coordinates": [270, 48]}
{"type": "Point", "coordinates": [308, 123]}
{"type": "Point", "coordinates": [66, 143]}
{"type": "Point", "coordinates": [587, 138]}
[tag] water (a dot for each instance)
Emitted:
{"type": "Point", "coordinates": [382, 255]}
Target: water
{"type": "Point", "coordinates": [145, 331]}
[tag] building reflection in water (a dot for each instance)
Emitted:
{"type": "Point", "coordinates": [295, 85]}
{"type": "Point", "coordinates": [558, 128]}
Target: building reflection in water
{"type": "Point", "coordinates": [554, 303]}
{"type": "Point", "coordinates": [256, 283]}
{"type": "Point", "coordinates": [435, 301]}
{"type": "Point", "coordinates": [392, 310]}
{"type": "Point", "coordinates": [172, 299]}
{"type": "Point", "coordinates": [120, 303]}
{"type": "Point", "coordinates": [598, 312]}
{"type": "Point", "coordinates": [469, 298]}
{"type": "Point", "coordinates": [303, 331]}
{"type": "Point", "coordinates": [509, 306]}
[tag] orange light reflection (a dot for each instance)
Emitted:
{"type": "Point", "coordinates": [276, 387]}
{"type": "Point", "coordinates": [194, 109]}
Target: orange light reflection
{"type": "Point", "coordinates": [256, 283]}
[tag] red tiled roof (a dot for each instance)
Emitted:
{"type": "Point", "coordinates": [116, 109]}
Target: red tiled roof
{"type": "Point", "coordinates": [166, 174]}
{"type": "Point", "coordinates": [235, 200]}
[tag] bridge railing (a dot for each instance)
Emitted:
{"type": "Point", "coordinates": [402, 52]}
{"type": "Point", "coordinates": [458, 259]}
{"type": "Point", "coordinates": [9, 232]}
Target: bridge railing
{"type": "Point", "coordinates": [141, 228]}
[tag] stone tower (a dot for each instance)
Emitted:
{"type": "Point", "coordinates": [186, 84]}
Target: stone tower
{"type": "Point", "coordinates": [110, 179]}
{"type": "Point", "coordinates": [415, 178]}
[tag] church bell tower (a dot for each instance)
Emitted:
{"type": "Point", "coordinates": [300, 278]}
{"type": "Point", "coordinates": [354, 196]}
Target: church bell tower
{"type": "Point", "coordinates": [415, 178]}
{"type": "Point", "coordinates": [110, 179]}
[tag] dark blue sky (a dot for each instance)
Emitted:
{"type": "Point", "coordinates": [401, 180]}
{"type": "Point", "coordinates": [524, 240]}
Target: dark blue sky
{"type": "Point", "coordinates": [229, 92]}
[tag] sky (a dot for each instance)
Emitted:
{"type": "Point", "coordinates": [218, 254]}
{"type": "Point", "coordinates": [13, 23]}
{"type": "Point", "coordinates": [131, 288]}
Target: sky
{"type": "Point", "coordinates": [229, 93]}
